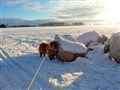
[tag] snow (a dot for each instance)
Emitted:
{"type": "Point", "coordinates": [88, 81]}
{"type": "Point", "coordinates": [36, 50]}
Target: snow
{"type": "Point", "coordinates": [91, 36]}
{"type": "Point", "coordinates": [115, 46]}
{"type": "Point", "coordinates": [116, 34]}
{"type": "Point", "coordinates": [70, 38]}
{"type": "Point", "coordinates": [19, 60]}
{"type": "Point", "coordinates": [74, 47]}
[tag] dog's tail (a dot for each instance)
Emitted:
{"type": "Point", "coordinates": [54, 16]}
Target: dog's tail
{"type": "Point", "coordinates": [44, 41]}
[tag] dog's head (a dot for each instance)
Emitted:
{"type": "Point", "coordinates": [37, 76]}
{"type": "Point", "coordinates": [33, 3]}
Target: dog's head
{"type": "Point", "coordinates": [54, 45]}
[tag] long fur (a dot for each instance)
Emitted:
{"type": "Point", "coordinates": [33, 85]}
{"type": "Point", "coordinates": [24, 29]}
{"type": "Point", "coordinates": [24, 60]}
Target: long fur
{"type": "Point", "coordinates": [49, 49]}
{"type": "Point", "coordinates": [43, 48]}
{"type": "Point", "coordinates": [52, 51]}
{"type": "Point", "coordinates": [54, 45]}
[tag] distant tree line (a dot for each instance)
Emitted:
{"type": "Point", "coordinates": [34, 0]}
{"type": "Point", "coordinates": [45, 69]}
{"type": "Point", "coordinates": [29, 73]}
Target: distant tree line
{"type": "Point", "coordinates": [61, 24]}
{"type": "Point", "coordinates": [5, 26]}
{"type": "Point", "coordinates": [46, 24]}
{"type": "Point", "coordinates": [22, 26]}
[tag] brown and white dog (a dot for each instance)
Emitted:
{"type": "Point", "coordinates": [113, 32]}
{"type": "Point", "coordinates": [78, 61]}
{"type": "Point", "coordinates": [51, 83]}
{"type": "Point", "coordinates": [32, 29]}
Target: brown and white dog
{"type": "Point", "coordinates": [49, 49]}
{"type": "Point", "coordinates": [54, 45]}
{"type": "Point", "coordinates": [43, 47]}
{"type": "Point", "coordinates": [52, 51]}
{"type": "Point", "coordinates": [51, 54]}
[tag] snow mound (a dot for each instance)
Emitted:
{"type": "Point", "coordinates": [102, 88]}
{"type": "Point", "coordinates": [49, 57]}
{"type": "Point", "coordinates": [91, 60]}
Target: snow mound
{"type": "Point", "coordinates": [116, 34]}
{"type": "Point", "coordinates": [89, 37]}
{"type": "Point", "coordinates": [74, 47]}
{"type": "Point", "coordinates": [70, 38]}
{"type": "Point", "coordinates": [115, 47]}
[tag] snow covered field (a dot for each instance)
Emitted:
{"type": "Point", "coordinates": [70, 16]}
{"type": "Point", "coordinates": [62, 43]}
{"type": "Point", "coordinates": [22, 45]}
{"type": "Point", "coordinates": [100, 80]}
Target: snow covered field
{"type": "Point", "coordinates": [19, 60]}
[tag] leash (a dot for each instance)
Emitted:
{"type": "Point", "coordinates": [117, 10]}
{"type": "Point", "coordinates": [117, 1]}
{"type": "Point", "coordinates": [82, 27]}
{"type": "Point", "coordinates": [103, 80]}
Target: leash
{"type": "Point", "coordinates": [35, 74]}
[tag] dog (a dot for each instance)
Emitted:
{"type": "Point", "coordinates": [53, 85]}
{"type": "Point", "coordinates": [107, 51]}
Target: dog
{"type": "Point", "coordinates": [54, 45]}
{"type": "Point", "coordinates": [43, 47]}
{"type": "Point", "coordinates": [52, 51]}
{"type": "Point", "coordinates": [49, 49]}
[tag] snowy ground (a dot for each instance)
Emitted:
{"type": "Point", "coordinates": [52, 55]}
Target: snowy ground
{"type": "Point", "coordinates": [19, 59]}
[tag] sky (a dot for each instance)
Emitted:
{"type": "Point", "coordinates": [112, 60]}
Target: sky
{"type": "Point", "coordinates": [40, 11]}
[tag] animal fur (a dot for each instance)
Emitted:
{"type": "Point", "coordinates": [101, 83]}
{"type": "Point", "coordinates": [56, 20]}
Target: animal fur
{"type": "Point", "coordinates": [51, 54]}
{"type": "Point", "coordinates": [49, 49]}
{"type": "Point", "coordinates": [52, 51]}
{"type": "Point", "coordinates": [43, 48]}
{"type": "Point", "coordinates": [54, 45]}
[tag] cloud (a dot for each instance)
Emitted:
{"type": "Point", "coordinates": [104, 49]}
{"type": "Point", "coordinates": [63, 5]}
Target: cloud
{"type": "Point", "coordinates": [12, 2]}
{"type": "Point", "coordinates": [77, 9]}
{"type": "Point", "coordinates": [63, 10]}
{"type": "Point", "coordinates": [34, 6]}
